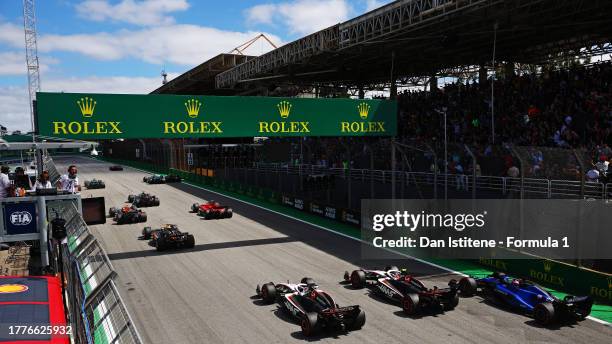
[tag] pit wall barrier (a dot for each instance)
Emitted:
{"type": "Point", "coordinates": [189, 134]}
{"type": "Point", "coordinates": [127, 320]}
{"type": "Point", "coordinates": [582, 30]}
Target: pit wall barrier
{"type": "Point", "coordinates": [553, 274]}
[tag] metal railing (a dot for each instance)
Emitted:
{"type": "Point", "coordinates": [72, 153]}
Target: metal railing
{"type": "Point", "coordinates": [532, 187]}
{"type": "Point", "coordinates": [96, 310]}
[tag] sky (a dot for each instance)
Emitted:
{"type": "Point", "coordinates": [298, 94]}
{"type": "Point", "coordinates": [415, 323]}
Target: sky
{"type": "Point", "coordinates": [121, 46]}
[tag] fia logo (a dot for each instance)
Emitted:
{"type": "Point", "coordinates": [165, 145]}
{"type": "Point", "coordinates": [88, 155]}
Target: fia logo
{"type": "Point", "coordinates": [21, 218]}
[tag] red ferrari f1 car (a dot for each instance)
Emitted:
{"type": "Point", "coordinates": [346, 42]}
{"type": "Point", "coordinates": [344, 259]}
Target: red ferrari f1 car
{"type": "Point", "coordinates": [212, 210]}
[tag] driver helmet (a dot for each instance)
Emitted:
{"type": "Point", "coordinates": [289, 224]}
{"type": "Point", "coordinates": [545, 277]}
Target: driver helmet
{"type": "Point", "coordinates": [395, 274]}
{"type": "Point", "coordinates": [516, 282]}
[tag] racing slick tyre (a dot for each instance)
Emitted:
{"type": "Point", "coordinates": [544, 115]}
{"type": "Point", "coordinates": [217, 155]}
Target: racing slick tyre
{"type": "Point", "coordinates": [410, 304]}
{"type": "Point", "coordinates": [131, 198]}
{"type": "Point", "coordinates": [467, 286]}
{"type": "Point", "coordinates": [544, 313]}
{"type": "Point", "coordinates": [358, 279]}
{"type": "Point", "coordinates": [144, 179]}
{"type": "Point", "coordinates": [112, 211]}
{"type": "Point", "coordinates": [391, 267]}
{"type": "Point", "coordinates": [160, 244]}
{"type": "Point", "coordinates": [194, 207]}
{"type": "Point", "coordinates": [87, 183]}
{"type": "Point", "coordinates": [229, 214]}
{"type": "Point", "coordinates": [189, 241]}
{"type": "Point", "coordinates": [452, 303]}
{"type": "Point", "coordinates": [142, 217]}
{"type": "Point", "coordinates": [359, 321]}
{"type": "Point", "coordinates": [308, 280]}
{"type": "Point", "coordinates": [309, 324]}
{"type": "Point", "coordinates": [156, 203]}
{"type": "Point", "coordinates": [268, 292]}
{"type": "Point", "coordinates": [146, 232]}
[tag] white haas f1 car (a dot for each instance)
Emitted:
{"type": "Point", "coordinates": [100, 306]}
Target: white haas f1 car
{"type": "Point", "coordinates": [314, 308]}
{"type": "Point", "coordinates": [400, 287]}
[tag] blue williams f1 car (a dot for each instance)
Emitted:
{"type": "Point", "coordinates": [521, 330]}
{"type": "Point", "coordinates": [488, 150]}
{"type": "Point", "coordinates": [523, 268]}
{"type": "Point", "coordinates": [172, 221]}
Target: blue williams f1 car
{"type": "Point", "coordinates": [527, 297]}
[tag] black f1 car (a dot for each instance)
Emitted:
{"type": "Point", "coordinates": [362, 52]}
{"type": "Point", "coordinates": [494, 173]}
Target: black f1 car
{"type": "Point", "coordinates": [314, 308]}
{"type": "Point", "coordinates": [212, 210]}
{"type": "Point", "coordinates": [527, 297]}
{"type": "Point", "coordinates": [144, 200]}
{"type": "Point", "coordinates": [161, 179]}
{"type": "Point", "coordinates": [116, 168]}
{"type": "Point", "coordinates": [94, 184]}
{"type": "Point", "coordinates": [401, 287]}
{"type": "Point", "coordinates": [128, 214]}
{"type": "Point", "coordinates": [168, 236]}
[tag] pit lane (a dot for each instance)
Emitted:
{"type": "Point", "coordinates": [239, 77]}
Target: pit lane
{"type": "Point", "coordinates": [204, 295]}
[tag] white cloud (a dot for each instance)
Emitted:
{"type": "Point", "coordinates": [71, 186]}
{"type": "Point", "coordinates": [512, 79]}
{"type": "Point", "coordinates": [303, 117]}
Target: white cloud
{"type": "Point", "coordinates": [14, 110]}
{"type": "Point", "coordinates": [146, 12]}
{"type": "Point", "coordinates": [181, 44]}
{"type": "Point", "coordinates": [12, 34]}
{"type": "Point", "coordinates": [373, 4]}
{"type": "Point", "coordinates": [301, 16]}
{"type": "Point", "coordinates": [13, 63]}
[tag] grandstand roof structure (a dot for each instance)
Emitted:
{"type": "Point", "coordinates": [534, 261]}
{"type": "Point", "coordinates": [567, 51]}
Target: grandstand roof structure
{"type": "Point", "coordinates": [415, 38]}
{"type": "Point", "coordinates": [201, 79]}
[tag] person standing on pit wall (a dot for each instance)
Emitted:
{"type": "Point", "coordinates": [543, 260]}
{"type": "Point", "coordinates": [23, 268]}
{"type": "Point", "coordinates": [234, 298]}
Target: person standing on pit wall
{"type": "Point", "coordinates": [5, 183]}
{"type": "Point", "coordinates": [69, 182]}
{"type": "Point", "coordinates": [43, 181]}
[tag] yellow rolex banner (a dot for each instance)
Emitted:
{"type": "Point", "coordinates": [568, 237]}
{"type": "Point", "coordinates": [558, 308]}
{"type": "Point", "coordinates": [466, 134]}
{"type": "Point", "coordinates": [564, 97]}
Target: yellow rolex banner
{"type": "Point", "coordinates": [109, 116]}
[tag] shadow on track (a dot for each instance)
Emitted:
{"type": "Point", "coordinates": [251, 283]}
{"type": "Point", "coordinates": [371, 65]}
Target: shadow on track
{"type": "Point", "coordinates": [201, 247]}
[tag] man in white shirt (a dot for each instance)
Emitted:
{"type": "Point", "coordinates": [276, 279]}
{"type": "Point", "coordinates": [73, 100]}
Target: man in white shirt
{"type": "Point", "coordinates": [5, 183]}
{"type": "Point", "coordinates": [70, 182]}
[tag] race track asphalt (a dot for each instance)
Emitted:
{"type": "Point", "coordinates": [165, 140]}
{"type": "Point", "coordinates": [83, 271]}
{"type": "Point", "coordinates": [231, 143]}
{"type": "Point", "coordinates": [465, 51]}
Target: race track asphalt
{"type": "Point", "coordinates": [205, 295]}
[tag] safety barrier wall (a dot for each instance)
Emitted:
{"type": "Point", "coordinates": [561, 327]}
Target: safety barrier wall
{"type": "Point", "coordinates": [95, 308]}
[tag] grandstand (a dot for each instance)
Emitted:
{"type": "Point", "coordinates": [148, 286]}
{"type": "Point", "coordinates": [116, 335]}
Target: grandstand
{"type": "Point", "coordinates": [546, 52]}
{"type": "Point", "coordinates": [523, 85]}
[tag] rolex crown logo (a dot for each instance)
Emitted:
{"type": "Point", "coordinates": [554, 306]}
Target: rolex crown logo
{"type": "Point", "coordinates": [87, 106]}
{"type": "Point", "coordinates": [364, 109]}
{"type": "Point", "coordinates": [284, 108]}
{"type": "Point", "coordinates": [193, 108]}
{"type": "Point", "coordinates": [547, 265]}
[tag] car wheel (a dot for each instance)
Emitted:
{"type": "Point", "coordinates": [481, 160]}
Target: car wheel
{"type": "Point", "coordinates": [467, 286]}
{"type": "Point", "coordinates": [194, 207]}
{"type": "Point", "coordinates": [156, 203]}
{"type": "Point", "coordinates": [131, 198]}
{"type": "Point", "coordinates": [452, 303]}
{"type": "Point", "coordinates": [268, 293]}
{"type": "Point", "coordinates": [309, 324]}
{"type": "Point", "coordinates": [230, 214]}
{"type": "Point", "coordinates": [160, 244]}
{"type": "Point", "coordinates": [112, 211]}
{"type": "Point", "coordinates": [359, 321]}
{"type": "Point", "coordinates": [544, 313]}
{"type": "Point", "coordinates": [189, 241]}
{"type": "Point", "coordinates": [358, 279]}
{"type": "Point", "coordinates": [410, 302]}
{"type": "Point", "coordinates": [142, 217]}
{"type": "Point", "coordinates": [308, 280]}
{"type": "Point", "coordinates": [146, 232]}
